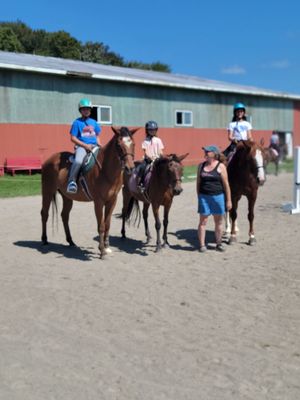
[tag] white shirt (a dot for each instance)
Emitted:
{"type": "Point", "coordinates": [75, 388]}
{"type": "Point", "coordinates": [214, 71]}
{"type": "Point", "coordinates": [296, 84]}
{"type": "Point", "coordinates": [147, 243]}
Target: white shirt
{"type": "Point", "coordinates": [240, 129]}
{"type": "Point", "coordinates": [152, 147]}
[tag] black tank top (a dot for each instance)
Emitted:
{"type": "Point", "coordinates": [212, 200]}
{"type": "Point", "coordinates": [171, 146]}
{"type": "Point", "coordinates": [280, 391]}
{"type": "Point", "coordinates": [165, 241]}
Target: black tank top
{"type": "Point", "coordinates": [211, 182]}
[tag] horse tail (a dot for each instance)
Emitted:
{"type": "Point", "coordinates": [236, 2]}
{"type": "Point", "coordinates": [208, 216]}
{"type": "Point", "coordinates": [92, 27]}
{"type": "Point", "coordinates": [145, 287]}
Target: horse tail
{"type": "Point", "coordinates": [54, 210]}
{"type": "Point", "coordinates": [133, 212]}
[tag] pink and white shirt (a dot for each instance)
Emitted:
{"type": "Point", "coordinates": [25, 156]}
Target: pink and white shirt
{"type": "Point", "coordinates": [153, 147]}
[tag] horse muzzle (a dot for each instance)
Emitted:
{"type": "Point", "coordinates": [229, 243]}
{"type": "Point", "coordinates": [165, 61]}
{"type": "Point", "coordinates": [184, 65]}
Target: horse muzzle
{"type": "Point", "coordinates": [177, 191]}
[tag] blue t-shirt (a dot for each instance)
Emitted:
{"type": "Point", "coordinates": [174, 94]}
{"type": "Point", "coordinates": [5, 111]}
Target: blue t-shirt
{"type": "Point", "coordinates": [85, 130]}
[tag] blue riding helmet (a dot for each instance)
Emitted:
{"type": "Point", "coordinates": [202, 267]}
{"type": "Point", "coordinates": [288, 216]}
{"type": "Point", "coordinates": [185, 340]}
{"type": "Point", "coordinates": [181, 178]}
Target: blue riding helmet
{"type": "Point", "coordinates": [84, 103]}
{"type": "Point", "coordinates": [213, 148]}
{"type": "Point", "coordinates": [151, 128]}
{"type": "Point", "coordinates": [239, 106]}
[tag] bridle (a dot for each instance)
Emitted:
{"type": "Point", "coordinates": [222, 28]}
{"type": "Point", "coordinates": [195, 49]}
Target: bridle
{"type": "Point", "coordinates": [123, 155]}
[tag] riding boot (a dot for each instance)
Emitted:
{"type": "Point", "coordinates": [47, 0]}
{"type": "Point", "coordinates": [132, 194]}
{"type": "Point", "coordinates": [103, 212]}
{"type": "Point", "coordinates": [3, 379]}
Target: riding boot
{"type": "Point", "coordinates": [72, 185]}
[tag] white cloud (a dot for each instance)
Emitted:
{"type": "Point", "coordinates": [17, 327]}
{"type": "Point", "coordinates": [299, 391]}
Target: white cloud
{"type": "Point", "coordinates": [233, 70]}
{"type": "Point", "coordinates": [278, 64]}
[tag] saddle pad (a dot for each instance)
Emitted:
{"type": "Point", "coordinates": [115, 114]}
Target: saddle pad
{"type": "Point", "coordinates": [89, 160]}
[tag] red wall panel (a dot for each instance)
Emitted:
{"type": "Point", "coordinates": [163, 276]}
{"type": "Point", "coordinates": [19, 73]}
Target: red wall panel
{"type": "Point", "coordinates": [43, 140]}
{"type": "Point", "coordinates": [296, 132]}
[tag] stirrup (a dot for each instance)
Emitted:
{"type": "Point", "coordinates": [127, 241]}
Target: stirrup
{"type": "Point", "coordinates": [72, 187]}
{"type": "Point", "coordinates": [141, 188]}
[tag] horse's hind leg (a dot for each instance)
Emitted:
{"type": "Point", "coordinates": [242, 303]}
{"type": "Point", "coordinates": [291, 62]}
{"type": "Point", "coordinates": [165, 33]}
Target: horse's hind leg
{"type": "Point", "coordinates": [65, 213]}
{"type": "Point", "coordinates": [145, 218]}
{"type": "Point", "coordinates": [46, 201]}
{"type": "Point", "coordinates": [126, 200]}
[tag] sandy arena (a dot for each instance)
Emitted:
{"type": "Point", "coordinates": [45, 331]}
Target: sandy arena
{"type": "Point", "coordinates": [178, 325]}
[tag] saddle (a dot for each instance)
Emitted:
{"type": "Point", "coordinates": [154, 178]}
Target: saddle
{"type": "Point", "coordinates": [88, 162]}
{"type": "Point", "coordinates": [134, 179]}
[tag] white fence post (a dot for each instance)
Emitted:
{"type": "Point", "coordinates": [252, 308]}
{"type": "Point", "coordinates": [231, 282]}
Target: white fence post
{"type": "Point", "coordinates": [295, 207]}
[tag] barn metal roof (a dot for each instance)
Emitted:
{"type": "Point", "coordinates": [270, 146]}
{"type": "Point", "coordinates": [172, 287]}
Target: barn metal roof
{"type": "Point", "coordinates": [60, 66]}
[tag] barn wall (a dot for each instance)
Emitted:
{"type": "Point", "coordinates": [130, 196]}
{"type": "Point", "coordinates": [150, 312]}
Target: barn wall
{"type": "Point", "coordinates": [48, 99]}
{"type": "Point", "coordinates": [43, 140]}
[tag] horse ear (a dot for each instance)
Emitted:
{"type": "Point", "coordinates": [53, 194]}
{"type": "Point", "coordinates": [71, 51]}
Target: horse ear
{"type": "Point", "coordinates": [115, 130]}
{"type": "Point", "coordinates": [262, 142]}
{"type": "Point", "coordinates": [183, 156]}
{"type": "Point", "coordinates": [132, 131]}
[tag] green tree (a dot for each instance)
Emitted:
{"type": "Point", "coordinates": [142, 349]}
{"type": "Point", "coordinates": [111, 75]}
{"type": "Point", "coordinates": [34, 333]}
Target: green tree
{"type": "Point", "coordinates": [19, 37]}
{"type": "Point", "coordinates": [9, 40]}
{"type": "Point", "coordinates": [99, 53]}
{"type": "Point", "coordinates": [157, 66]}
{"type": "Point", "coordinates": [61, 44]}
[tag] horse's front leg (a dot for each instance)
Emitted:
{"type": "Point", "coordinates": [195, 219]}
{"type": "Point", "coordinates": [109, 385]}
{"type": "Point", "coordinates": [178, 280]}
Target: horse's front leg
{"type": "Point", "coordinates": [251, 203]}
{"type": "Point", "coordinates": [109, 207]}
{"type": "Point", "coordinates": [165, 223]}
{"type": "Point", "coordinates": [227, 230]}
{"type": "Point", "coordinates": [155, 209]}
{"type": "Point", "coordinates": [145, 218]}
{"type": "Point", "coordinates": [101, 226]}
{"type": "Point", "coordinates": [65, 214]}
{"type": "Point", "coordinates": [233, 217]}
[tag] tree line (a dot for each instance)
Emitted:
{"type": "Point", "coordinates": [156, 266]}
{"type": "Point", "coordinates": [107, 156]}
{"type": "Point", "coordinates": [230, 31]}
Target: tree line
{"type": "Point", "coordinates": [18, 37]}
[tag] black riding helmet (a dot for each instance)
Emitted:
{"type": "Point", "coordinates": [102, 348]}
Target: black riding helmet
{"type": "Point", "coordinates": [151, 128]}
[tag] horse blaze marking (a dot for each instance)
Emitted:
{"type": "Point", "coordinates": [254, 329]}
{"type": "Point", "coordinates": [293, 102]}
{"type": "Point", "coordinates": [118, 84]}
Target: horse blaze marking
{"type": "Point", "coordinates": [127, 141]}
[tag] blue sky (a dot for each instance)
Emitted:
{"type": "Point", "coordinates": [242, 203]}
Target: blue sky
{"type": "Point", "coordinates": [255, 43]}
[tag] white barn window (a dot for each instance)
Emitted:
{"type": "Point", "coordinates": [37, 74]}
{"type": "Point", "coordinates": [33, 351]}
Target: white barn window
{"type": "Point", "coordinates": [183, 118]}
{"type": "Point", "coordinates": [102, 114]}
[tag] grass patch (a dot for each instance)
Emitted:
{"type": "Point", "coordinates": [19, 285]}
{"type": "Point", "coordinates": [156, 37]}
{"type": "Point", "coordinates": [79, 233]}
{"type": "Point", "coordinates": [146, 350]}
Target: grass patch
{"type": "Point", "coordinates": [190, 173]}
{"type": "Point", "coordinates": [30, 185]}
{"type": "Point", "coordinates": [285, 166]}
{"type": "Point", "coordinates": [20, 185]}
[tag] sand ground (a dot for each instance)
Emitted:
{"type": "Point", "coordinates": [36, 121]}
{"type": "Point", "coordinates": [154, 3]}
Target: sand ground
{"type": "Point", "coordinates": [144, 326]}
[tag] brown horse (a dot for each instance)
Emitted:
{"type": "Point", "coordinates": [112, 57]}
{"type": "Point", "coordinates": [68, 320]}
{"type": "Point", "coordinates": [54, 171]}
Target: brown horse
{"type": "Point", "coordinates": [245, 174]}
{"type": "Point", "coordinates": [164, 184]}
{"type": "Point", "coordinates": [103, 183]}
{"type": "Point", "coordinates": [272, 155]}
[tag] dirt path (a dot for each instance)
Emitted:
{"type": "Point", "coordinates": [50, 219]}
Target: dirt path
{"type": "Point", "coordinates": [143, 326]}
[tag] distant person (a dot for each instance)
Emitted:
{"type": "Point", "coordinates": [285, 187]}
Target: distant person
{"type": "Point", "coordinates": [153, 148]}
{"type": "Point", "coordinates": [274, 142]}
{"type": "Point", "coordinates": [214, 196]}
{"type": "Point", "coordinates": [85, 134]}
{"type": "Point", "coordinates": [239, 128]}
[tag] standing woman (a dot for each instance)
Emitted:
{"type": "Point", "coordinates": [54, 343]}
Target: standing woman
{"type": "Point", "coordinates": [239, 128]}
{"type": "Point", "coordinates": [213, 195]}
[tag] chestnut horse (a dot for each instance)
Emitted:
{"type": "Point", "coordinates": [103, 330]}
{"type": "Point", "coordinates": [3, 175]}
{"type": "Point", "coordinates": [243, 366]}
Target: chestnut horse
{"type": "Point", "coordinates": [164, 184]}
{"type": "Point", "coordinates": [103, 183]}
{"type": "Point", "coordinates": [245, 174]}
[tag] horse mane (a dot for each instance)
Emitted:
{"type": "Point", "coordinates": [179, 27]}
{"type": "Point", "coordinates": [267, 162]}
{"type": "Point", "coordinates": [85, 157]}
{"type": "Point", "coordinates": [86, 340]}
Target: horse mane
{"type": "Point", "coordinates": [125, 132]}
{"type": "Point", "coordinates": [167, 158]}
{"type": "Point", "coordinates": [244, 156]}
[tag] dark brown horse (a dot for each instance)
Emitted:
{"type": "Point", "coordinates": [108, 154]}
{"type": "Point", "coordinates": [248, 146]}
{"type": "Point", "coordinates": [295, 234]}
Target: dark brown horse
{"type": "Point", "coordinates": [164, 184]}
{"type": "Point", "coordinates": [245, 173]}
{"type": "Point", "coordinates": [104, 182]}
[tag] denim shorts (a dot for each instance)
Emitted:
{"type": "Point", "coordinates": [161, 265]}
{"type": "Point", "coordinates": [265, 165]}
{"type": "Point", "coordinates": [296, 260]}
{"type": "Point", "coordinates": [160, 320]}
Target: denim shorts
{"type": "Point", "coordinates": [210, 204]}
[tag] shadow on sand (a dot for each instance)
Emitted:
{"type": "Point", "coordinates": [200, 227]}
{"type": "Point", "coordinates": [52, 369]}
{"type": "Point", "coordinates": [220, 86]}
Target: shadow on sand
{"type": "Point", "coordinates": [72, 252]}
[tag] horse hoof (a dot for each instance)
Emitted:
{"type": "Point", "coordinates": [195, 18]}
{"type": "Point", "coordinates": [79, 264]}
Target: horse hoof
{"type": "Point", "coordinates": [252, 241]}
{"type": "Point", "coordinates": [232, 240]}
